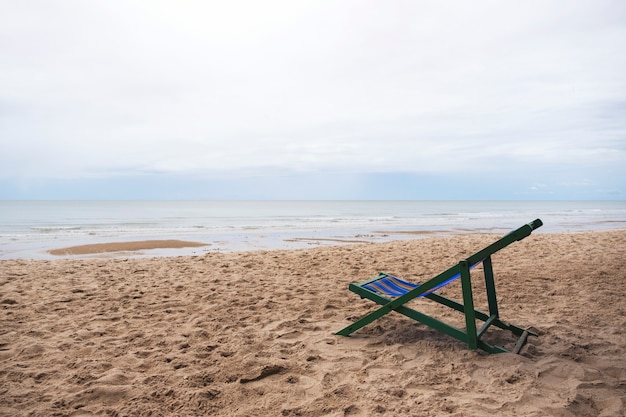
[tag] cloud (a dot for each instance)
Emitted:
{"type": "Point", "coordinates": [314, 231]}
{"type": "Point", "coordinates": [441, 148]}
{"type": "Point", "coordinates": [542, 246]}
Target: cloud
{"type": "Point", "coordinates": [234, 89]}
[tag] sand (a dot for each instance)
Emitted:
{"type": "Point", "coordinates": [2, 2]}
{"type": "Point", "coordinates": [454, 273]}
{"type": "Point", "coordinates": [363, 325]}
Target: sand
{"type": "Point", "coordinates": [251, 334]}
{"type": "Point", "coordinates": [125, 246]}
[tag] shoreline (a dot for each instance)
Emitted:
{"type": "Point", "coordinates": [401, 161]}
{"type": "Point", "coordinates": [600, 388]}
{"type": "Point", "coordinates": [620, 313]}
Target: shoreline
{"type": "Point", "coordinates": [236, 242]}
{"type": "Point", "coordinates": [28, 230]}
{"type": "Point", "coordinates": [221, 242]}
{"type": "Point", "coordinates": [252, 333]}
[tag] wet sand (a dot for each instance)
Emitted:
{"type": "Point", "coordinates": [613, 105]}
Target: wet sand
{"type": "Point", "coordinates": [125, 246]}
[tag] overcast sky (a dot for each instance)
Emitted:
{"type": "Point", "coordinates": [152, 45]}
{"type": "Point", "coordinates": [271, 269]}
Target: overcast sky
{"type": "Point", "coordinates": [313, 99]}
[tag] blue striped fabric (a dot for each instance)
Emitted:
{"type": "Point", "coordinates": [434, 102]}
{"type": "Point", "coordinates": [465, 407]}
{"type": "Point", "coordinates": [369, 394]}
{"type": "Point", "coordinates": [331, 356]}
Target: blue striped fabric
{"type": "Point", "coordinates": [392, 286]}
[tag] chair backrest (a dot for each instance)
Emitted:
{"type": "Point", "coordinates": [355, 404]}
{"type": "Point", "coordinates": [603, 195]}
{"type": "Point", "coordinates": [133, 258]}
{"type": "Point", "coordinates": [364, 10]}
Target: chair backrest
{"type": "Point", "coordinates": [389, 285]}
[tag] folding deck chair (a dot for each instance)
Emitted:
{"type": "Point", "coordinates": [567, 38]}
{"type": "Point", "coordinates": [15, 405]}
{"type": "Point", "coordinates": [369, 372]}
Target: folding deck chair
{"type": "Point", "coordinates": [392, 293]}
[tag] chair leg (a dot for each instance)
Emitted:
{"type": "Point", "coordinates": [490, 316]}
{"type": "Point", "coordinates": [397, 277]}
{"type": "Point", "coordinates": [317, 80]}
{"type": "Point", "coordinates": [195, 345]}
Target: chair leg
{"type": "Point", "coordinates": [468, 304]}
{"type": "Point", "coordinates": [491, 287]}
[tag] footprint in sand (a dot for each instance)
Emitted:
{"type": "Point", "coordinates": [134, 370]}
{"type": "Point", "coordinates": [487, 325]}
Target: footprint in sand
{"type": "Point", "coordinates": [290, 335]}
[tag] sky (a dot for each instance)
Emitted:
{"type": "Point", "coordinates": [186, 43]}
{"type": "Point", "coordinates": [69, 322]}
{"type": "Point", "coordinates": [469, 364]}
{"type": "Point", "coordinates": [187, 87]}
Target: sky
{"type": "Point", "coordinates": [185, 99]}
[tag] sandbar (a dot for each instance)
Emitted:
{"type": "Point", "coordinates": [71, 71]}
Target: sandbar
{"type": "Point", "coordinates": [124, 246]}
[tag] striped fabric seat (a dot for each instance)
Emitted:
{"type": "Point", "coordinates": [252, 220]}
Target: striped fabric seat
{"type": "Point", "coordinates": [392, 286]}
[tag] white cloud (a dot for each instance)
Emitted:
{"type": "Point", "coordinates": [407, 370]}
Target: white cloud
{"type": "Point", "coordinates": [99, 88]}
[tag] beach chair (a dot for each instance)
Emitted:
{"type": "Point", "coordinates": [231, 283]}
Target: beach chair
{"type": "Point", "coordinates": [393, 293]}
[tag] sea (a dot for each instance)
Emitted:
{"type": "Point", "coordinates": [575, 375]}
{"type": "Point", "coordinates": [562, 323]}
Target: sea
{"type": "Point", "coordinates": [29, 229]}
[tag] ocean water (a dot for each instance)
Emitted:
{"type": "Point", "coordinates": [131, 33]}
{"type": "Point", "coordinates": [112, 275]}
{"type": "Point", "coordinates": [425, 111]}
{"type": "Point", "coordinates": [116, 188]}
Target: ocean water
{"type": "Point", "coordinates": [28, 229]}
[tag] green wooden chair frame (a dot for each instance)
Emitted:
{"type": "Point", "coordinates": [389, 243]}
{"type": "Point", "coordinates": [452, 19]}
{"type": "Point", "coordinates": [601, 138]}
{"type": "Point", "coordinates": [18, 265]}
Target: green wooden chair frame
{"type": "Point", "coordinates": [471, 335]}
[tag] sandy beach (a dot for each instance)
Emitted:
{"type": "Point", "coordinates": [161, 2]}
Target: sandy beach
{"type": "Point", "coordinates": [251, 333]}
